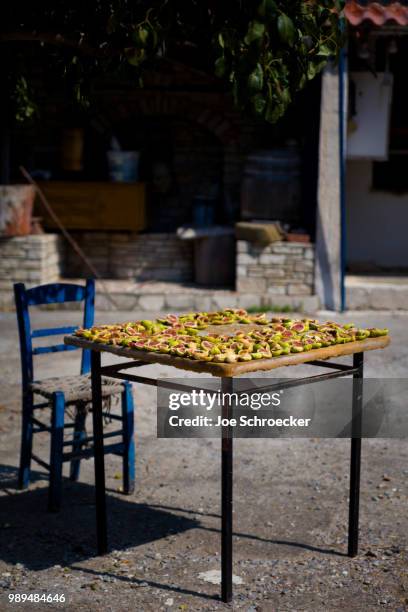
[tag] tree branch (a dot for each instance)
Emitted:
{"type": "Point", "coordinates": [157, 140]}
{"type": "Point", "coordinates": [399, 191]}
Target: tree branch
{"type": "Point", "coordinates": [58, 40]}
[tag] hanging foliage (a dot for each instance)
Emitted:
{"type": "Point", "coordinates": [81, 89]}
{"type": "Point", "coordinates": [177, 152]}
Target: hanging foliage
{"type": "Point", "coordinates": [263, 50]}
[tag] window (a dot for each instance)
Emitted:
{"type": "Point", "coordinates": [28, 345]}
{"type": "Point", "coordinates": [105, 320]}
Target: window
{"type": "Point", "coordinates": [392, 175]}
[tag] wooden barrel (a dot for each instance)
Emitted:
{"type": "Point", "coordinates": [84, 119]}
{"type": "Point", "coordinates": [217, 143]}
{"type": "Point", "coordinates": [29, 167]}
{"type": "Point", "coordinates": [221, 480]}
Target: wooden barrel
{"type": "Point", "coordinates": [271, 187]}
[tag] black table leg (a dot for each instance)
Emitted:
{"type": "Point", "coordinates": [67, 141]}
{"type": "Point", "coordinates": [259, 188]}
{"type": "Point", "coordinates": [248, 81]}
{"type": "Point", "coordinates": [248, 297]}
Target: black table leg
{"type": "Point", "coordinates": [226, 495]}
{"type": "Point", "coordinates": [358, 361]}
{"type": "Point", "coordinates": [99, 459]}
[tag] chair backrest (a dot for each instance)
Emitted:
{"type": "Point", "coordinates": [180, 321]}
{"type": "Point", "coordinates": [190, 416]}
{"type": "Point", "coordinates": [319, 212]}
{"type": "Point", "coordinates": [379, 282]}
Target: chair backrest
{"type": "Point", "coordinates": [54, 293]}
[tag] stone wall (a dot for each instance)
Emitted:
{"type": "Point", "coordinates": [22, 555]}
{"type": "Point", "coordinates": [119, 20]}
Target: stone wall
{"type": "Point", "coordinates": [279, 269]}
{"type": "Point", "coordinates": [33, 260]}
{"type": "Point", "coordinates": [140, 257]}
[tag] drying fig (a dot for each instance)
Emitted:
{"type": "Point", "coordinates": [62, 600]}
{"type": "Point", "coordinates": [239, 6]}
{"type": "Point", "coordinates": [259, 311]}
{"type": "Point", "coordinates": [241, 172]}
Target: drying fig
{"type": "Point", "coordinates": [149, 325]}
{"type": "Point", "coordinates": [244, 319]}
{"type": "Point", "coordinates": [285, 350]}
{"type": "Point", "coordinates": [179, 335]}
{"type": "Point", "coordinates": [259, 319]}
{"type": "Point", "coordinates": [278, 327]}
{"type": "Point", "coordinates": [348, 325]}
{"type": "Point", "coordinates": [213, 338]}
{"type": "Point", "coordinates": [205, 344]}
{"type": "Point", "coordinates": [286, 322]}
{"type": "Point", "coordinates": [84, 332]}
{"type": "Point", "coordinates": [220, 358]}
{"type": "Point", "coordinates": [299, 327]}
{"type": "Point", "coordinates": [296, 347]}
{"type": "Point", "coordinates": [375, 332]}
{"type": "Point", "coordinates": [244, 356]}
{"type": "Point", "coordinates": [362, 334]}
{"type": "Point", "coordinates": [192, 330]}
{"type": "Point", "coordinates": [231, 357]}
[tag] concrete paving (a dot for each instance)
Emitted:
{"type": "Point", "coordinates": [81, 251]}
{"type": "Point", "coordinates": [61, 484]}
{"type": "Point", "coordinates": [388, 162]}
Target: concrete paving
{"type": "Point", "coordinates": [290, 516]}
{"type": "Point", "coordinates": [377, 292]}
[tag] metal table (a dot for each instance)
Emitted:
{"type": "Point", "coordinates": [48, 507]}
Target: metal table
{"type": "Point", "coordinates": [227, 372]}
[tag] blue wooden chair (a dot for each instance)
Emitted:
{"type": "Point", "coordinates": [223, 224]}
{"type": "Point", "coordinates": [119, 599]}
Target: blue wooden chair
{"type": "Point", "coordinates": [58, 394]}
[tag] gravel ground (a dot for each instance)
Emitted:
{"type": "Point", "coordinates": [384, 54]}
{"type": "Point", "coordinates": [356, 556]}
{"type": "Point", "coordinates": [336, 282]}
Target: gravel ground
{"type": "Point", "coordinates": [290, 518]}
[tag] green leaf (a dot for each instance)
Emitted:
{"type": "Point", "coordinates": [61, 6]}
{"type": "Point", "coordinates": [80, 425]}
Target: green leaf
{"type": "Point", "coordinates": [258, 104]}
{"type": "Point", "coordinates": [285, 96]}
{"type": "Point", "coordinates": [112, 24]}
{"type": "Point", "coordinates": [220, 66]}
{"type": "Point", "coordinates": [141, 36]}
{"type": "Point", "coordinates": [311, 71]}
{"type": "Point", "coordinates": [256, 31]}
{"type": "Point", "coordinates": [302, 81]}
{"type": "Point", "coordinates": [267, 9]}
{"type": "Point", "coordinates": [286, 29]}
{"type": "Point", "coordinates": [274, 112]}
{"type": "Point", "coordinates": [255, 79]}
{"type": "Point", "coordinates": [221, 40]}
{"type": "Point", "coordinates": [135, 56]}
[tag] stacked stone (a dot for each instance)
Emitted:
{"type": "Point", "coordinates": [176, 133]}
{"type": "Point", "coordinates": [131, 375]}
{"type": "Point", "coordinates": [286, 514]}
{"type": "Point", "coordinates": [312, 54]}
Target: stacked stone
{"type": "Point", "coordinates": [152, 257]}
{"type": "Point", "coordinates": [281, 268]}
{"type": "Point", "coordinates": [33, 260]}
{"type": "Point", "coordinates": [128, 255]}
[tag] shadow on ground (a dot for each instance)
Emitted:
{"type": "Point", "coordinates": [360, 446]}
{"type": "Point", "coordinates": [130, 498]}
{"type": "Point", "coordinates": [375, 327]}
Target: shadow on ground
{"type": "Point", "coordinates": [38, 539]}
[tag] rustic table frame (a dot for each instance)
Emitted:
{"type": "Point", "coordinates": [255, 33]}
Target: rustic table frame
{"type": "Point", "coordinates": [140, 358]}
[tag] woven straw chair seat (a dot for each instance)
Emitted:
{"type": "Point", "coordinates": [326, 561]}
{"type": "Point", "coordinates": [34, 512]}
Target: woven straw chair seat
{"type": "Point", "coordinates": [75, 388]}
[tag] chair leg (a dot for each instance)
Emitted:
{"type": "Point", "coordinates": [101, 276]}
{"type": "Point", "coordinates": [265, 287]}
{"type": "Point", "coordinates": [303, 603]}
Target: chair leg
{"type": "Point", "coordinates": [57, 439]}
{"type": "Point", "coordinates": [128, 440]}
{"type": "Point", "coordinates": [26, 441]}
{"type": "Point", "coordinates": [79, 436]}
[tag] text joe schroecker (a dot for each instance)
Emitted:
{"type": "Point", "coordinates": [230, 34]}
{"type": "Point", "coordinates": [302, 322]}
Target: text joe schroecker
{"type": "Point", "coordinates": [242, 421]}
{"type": "Point", "coordinates": [202, 402]}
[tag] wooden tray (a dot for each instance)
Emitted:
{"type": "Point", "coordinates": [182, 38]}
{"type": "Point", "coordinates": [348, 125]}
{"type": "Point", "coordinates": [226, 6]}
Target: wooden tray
{"type": "Point", "coordinates": [233, 369]}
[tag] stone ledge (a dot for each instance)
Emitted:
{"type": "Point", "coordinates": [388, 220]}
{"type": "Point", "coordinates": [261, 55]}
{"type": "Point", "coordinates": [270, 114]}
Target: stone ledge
{"type": "Point", "coordinates": [176, 297]}
{"type": "Point", "coordinates": [368, 294]}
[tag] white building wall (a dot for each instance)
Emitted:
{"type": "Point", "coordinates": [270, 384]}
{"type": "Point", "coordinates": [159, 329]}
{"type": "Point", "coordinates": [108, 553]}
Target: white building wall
{"type": "Point", "coordinates": [377, 221]}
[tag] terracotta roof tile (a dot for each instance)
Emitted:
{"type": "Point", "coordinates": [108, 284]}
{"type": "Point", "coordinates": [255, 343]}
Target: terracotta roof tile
{"type": "Point", "coordinates": [378, 13]}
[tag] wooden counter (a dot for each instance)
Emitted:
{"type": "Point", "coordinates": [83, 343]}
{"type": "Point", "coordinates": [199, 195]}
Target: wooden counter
{"type": "Point", "coordinates": [95, 205]}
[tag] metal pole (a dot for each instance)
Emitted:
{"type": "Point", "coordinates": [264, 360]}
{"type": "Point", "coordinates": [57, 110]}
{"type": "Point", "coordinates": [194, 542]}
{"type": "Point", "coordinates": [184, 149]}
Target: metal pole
{"type": "Point", "coordinates": [226, 494]}
{"type": "Point", "coordinates": [99, 462]}
{"type": "Point", "coordinates": [358, 362]}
